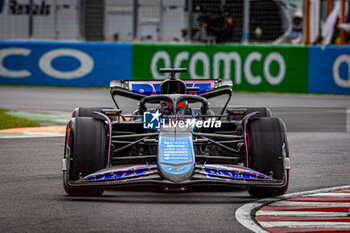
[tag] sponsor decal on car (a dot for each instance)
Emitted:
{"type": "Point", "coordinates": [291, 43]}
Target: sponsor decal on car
{"type": "Point", "coordinates": [153, 87]}
{"type": "Point", "coordinates": [176, 168]}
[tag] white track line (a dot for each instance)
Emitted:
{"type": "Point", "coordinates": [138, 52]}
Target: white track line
{"type": "Point", "coordinates": [288, 224]}
{"type": "Point", "coordinates": [300, 213]}
{"type": "Point", "coordinates": [245, 214]}
{"type": "Point", "coordinates": [307, 203]}
{"type": "Point", "coordinates": [331, 195]}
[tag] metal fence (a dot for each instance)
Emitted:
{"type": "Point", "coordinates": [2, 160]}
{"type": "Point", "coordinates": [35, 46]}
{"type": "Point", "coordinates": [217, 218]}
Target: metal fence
{"type": "Point", "coordinates": [225, 21]}
{"type": "Point", "coordinates": [175, 21]}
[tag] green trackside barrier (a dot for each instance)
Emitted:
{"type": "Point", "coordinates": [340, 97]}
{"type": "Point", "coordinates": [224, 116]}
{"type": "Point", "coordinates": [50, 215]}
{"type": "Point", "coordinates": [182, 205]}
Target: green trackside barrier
{"type": "Point", "coordinates": [251, 67]}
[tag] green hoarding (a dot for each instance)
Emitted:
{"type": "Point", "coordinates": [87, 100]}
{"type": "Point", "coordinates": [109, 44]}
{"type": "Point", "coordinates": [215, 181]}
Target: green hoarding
{"type": "Point", "coordinates": [251, 68]}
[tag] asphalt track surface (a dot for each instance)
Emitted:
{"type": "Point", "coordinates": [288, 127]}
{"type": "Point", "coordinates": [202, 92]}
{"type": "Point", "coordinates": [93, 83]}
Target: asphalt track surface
{"type": "Point", "coordinates": [32, 198]}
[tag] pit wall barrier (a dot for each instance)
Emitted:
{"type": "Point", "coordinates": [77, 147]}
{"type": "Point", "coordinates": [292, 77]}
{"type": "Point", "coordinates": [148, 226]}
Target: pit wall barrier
{"type": "Point", "coordinates": [251, 68]}
{"type": "Point", "coordinates": [257, 68]}
{"type": "Point", "coordinates": [64, 63]}
{"type": "Point", "coordinates": [329, 70]}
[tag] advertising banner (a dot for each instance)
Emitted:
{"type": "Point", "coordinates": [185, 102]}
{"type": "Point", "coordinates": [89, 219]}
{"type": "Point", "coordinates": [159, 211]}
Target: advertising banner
{"type": "Point", "coordinates": [64, 63]}
{"type": "Point", "coordinates": [329, 69]}
{"type": "Point", "coordinates": [51, 19]}
{"type": "Point", "coordinates": [252, 68]}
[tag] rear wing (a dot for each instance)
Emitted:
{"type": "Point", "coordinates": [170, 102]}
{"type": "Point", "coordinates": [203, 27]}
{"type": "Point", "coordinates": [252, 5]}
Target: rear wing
{"type": "Point", "coordinates": [148, 88]}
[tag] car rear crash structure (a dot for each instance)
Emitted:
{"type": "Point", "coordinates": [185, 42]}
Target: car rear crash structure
{"type": "Point", "coordinates": [166, 140]}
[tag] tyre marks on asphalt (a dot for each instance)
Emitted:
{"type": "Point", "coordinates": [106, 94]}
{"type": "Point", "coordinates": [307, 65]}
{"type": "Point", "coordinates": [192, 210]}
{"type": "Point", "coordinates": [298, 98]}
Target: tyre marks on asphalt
{"type": "Point", "coordinates": [318, 212]}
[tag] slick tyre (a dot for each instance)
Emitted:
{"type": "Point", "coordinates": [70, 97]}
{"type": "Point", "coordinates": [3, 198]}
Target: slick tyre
{"type": "Point", "coordinates": [266, 138]}
{"type": "Point", "coordinates": [85, 150]}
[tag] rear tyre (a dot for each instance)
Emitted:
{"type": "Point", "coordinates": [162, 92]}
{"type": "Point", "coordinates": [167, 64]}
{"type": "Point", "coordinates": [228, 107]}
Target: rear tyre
{"type": "Point", "coordinates": [85, 149]}
{"type": "Point", "coordinates": [266, 137]}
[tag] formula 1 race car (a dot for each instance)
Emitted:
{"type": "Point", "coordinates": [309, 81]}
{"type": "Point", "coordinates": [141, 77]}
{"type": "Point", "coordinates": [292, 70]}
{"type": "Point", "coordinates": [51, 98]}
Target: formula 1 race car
{"type": "Point", "coordinates": [175, 134]}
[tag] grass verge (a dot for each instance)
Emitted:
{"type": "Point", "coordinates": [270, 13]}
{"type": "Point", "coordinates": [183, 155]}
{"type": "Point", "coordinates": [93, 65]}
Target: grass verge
{"type": "Point", "coordinates": [8, 121]}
